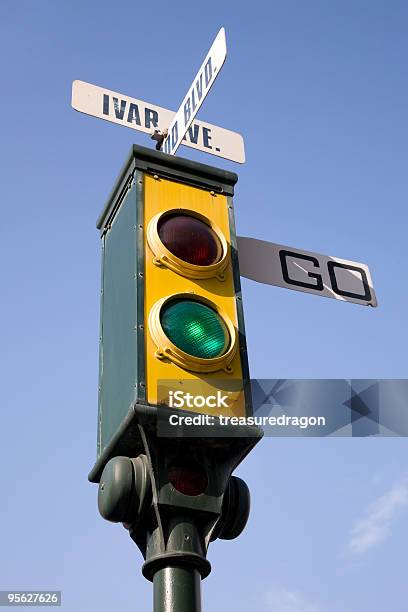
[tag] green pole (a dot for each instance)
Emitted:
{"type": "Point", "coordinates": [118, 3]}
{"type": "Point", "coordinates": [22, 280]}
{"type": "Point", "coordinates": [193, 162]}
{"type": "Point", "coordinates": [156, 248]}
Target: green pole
{"type": "Point", "coordinates": [177, 589]}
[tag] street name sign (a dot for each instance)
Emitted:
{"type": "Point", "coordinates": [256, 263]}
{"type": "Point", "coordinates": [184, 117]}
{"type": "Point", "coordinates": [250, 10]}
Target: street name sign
{"type": "Point", "coordinates": [146, 117]}
{"type": "Point", "coordinates": [196, 94]}
{"type": "Point", "coordinates": [275, 264]}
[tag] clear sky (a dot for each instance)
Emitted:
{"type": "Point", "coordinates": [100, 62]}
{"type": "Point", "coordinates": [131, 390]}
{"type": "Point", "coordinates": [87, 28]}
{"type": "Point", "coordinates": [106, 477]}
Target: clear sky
{"type": "Point", "coordinates": [319, 91]}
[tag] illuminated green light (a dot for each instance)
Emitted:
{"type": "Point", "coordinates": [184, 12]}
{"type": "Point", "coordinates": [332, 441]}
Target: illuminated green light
{"type": "Point", "coordinates": [195, 328]}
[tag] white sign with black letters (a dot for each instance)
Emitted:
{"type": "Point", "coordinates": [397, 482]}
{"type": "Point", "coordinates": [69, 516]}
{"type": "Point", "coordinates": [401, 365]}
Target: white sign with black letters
{"type": "Point", "coordinates": [145, 117]}
{"type": "Point", "coordinates": [275, 264]}
{"type": "Point", "coordinates": [202, 82]}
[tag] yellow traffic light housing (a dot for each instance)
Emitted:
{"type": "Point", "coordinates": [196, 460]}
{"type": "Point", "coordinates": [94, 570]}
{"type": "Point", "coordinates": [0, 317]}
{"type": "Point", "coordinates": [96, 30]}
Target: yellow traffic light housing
{"type": "Point", "coordinates": [171, 309]}
{"type": "Point", "coordinates": [171, 277]}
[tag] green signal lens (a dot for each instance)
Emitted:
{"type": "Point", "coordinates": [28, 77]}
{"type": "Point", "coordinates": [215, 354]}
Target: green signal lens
{"type": "Point", "coordinates": [195, 328]}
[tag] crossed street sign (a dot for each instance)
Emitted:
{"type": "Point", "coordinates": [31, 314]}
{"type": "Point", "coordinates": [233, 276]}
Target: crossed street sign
{"type": "Point", "coordinates": [177, 128]}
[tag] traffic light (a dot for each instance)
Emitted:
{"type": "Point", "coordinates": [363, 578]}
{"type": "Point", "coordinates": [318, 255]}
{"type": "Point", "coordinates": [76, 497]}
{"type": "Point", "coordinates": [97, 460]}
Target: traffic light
{"type": "Point", "coordinates": [194, 329]}
{"type": "Point", "coordinates": [171, 311]}
{"type": "Point", "coordinates": [172, 344]}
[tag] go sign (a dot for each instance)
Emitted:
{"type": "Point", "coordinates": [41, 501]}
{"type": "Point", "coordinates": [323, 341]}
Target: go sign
{"type": "Point", "coordinates": [276, 264]}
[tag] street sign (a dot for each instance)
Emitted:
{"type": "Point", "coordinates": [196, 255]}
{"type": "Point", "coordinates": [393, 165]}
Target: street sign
{"type": "Point", "coordinates": [198, 90]}
{"type": "Point", "coordinates": [145, 117]}
{"type": "Point", "coordinates": [275, 264]}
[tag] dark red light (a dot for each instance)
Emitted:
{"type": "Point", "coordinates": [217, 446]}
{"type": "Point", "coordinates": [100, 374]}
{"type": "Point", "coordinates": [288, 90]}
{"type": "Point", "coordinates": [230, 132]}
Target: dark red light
{"type": "Point", "coordinates": [188, 479]}
{"type": "Point", "coordinates": [189, 239]}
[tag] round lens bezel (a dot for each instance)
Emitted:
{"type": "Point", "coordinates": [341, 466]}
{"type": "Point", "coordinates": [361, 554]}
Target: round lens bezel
{"type": "Point", "coordinates": [166, 349]}
{"type": "Point", "coordinates": [164, 257]}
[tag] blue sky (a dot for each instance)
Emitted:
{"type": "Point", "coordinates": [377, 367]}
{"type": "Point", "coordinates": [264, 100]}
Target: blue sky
{"type": "Point", "coordinates": [319, 92]}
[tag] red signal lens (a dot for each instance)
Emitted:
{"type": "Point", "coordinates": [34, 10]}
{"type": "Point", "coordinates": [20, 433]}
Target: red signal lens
{"type": "Point", "coordinates": [188, 479]}
{"type": "Point", "coordinates": [190, 239]}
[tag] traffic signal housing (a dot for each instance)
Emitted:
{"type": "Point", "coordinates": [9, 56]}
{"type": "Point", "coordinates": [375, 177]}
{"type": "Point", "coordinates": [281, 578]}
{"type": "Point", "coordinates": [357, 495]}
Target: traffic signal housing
{"type": "Point", "coordinates": [171, 308]}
